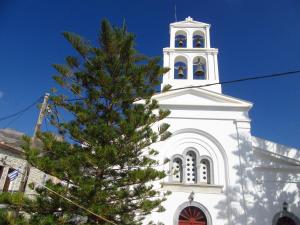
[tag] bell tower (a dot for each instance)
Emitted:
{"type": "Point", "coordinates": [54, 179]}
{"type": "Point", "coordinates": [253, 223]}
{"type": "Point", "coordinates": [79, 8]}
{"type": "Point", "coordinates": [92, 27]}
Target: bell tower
{"type": "Point", "coordinates": [191, 60]}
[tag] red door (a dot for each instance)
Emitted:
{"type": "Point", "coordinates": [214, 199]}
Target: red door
{"type": "Point", "coordinates": [192, 216]}
{"type": "Point", "coordinates": [285, 221]}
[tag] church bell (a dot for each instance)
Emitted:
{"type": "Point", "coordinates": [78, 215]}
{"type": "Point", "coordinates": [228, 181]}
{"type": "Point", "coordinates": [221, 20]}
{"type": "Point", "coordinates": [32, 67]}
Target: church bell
{"type": "Point", "coordinates": [180, 72]}
{"type": "Point", "coordinates": [180, 43]}
{"type": "Point", "coordinates": [198, 42]}
{"type": "Point", "coordinates": [199, 70]}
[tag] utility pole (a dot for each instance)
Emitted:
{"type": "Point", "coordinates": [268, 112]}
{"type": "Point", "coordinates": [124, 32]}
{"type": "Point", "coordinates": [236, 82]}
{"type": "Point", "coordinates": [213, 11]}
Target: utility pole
{"type": "Point", "coordinates": [36, 129]}
{"type": "Point", "coordinates": [41, 116]}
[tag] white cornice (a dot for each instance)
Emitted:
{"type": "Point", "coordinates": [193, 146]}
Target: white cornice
{"type": "Point", "coordinates": [7, 147]}
{"type": "Point", "coordinates": [278, 151]}
{"type": "Point", "coordinates": [215, 100]}
{"type": "Point", "coordinates": [189, 22]}
{"type": "Point", "coordinates": [192, 50]}
{"type": "Point", "coordinates": [280, 168]}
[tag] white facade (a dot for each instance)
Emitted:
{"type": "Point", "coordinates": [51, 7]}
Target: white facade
{"type": "Point", "coordinates": [219, 174]}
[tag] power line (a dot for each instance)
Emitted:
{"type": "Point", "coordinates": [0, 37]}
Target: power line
{"type": "Point", "coordinates": [65, 198]}
{"type": "Point", "coordinates": [295, 72]}
{"type": "Point", "coordinates": [21, 111]}
{"type": "Point", "coordinates": [46, 123]}
{"type": "Point", "coordinates": [12, 121]}
{"type": "Point", "coordinates": [288, 73]}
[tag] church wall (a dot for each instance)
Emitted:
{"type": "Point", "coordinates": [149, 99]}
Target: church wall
{"type": "Point", "coordinates": [177, 198]}
{"type": "Point", "coordinates": [273, 182]}
{"type": "Point", "coordinates": [218, 139]}
{"type": "Point", "coordinates": [248, 190]}
{"type": "Point", "coordinates": [269, 190]}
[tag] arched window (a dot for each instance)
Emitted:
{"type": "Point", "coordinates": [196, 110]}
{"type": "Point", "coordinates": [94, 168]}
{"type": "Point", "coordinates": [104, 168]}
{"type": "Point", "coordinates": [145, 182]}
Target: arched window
{"type": "Point", "coordinates": [286, 221]}
{"type": "Point", "coordinates": [192, 216]}
{"type": "Point", "coordinates": [198, 39]}
{"type": "Point", "coordinates": [191, 168]}
{"type": "Point", "coordinates": [199, 68]}
{"type": "Point", "coordinates": [180, 39]}
{"type": "Point", "coordinates": [180, 67]}
{"type": "Point", "coordinates": [205, 171]}
{"type": "Point", "coordinates": [177, 172]}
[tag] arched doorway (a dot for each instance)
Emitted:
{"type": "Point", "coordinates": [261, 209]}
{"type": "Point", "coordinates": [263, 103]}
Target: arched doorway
{"type": "Point", "coordinates": [285, 221]}
{"type": "Point", "coordinates": [192, 216]}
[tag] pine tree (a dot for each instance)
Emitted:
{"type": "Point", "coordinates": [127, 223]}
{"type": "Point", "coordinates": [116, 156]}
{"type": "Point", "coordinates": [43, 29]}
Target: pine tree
{"type": "Point", "coordinates": [104, 160]}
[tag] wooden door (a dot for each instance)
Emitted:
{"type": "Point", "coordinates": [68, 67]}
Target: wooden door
{"type": "Point", "coordinates": [285, 221]}
{"type": "Point", "coordinates": [192, 216]}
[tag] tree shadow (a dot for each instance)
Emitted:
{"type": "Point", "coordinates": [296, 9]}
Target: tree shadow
{"type": "Point", "coordinates": [263, 182]}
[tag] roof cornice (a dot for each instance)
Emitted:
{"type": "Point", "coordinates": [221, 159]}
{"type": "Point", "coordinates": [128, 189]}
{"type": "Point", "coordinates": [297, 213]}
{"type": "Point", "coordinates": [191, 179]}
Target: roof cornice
{"type": "Point", "coordinates": [10, 148]}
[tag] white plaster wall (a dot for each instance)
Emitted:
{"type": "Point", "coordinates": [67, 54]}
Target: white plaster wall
{"type": "Point", "coordinates": [178, 198]}
{"type": "Point", "coordinates": [252, 191]}
{"type": "Point", "coordinates": [212, 133]}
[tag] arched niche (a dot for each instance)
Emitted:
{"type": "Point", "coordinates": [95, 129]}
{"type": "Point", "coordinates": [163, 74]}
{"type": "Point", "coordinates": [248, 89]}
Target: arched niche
{"type": "Point", "coordinates": [176, 169]}
{"type": "Point", "coordinates": [206, 172]}
{"type": "Point", "coordinates": [191, 167]}
{"type": "Point", "coordinates": [285, 218]}
{"type": "Point", "coordinates": [180, 39]}
{"type": "Point", "coordinates": [198, 39]}
{"type": "Point", "coordinates": [180, 67]}
{"type": "Point", "coordinates": [199, 68]}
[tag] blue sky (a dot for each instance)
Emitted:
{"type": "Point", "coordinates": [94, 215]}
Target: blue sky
{"type": "Point", "coordinates": [254, 38]}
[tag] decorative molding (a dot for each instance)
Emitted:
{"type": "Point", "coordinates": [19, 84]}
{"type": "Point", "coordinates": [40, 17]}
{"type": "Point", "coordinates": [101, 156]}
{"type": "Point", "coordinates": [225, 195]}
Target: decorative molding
{"type": "Point", "coordinates": [280, 168]}
{"type": "Point", "coordinates": [197, 188]}
{"type": "Point", "coordinates": [192, 50]}
{"type": "Point", "coordinates": [277, 155]}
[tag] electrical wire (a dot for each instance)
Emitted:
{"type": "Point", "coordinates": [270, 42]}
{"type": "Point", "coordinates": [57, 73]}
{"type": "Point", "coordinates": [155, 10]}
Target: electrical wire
{"type": "Point", "coordinates": [295, 72]}
{"type": "Point", "coordinates": [21, 111]}
{"type": "Point", "coordinates": [46, 123]}
{"type": "Point", "coordinates": [12, 121]}
{"type": "Point", "coordinates": [67, 199]}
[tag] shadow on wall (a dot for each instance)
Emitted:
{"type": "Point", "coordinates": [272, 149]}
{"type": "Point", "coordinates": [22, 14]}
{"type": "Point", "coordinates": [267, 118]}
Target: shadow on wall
{"type": "Point", "coordinates": [265, 188]}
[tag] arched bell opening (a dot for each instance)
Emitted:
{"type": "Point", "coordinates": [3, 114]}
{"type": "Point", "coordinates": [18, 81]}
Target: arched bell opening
{"type": "Point", "coordinates": [198, 39]}
{"type": "Point", "coordinates": [180, 68]}
{"type": "Point", "coordinates": [180, 39]}
{"type": "Point", "coordinates": [192, 216]}
{"type": "Point", "coordinates": [199, 68]}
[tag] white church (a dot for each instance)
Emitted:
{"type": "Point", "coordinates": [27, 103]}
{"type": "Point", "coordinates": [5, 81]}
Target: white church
{"type": "Point", "coordinates": [218, 173]}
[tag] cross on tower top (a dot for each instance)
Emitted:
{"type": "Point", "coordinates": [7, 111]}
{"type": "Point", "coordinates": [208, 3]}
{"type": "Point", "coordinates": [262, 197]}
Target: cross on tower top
{"type": "Point", "coordinates": [189, 18]}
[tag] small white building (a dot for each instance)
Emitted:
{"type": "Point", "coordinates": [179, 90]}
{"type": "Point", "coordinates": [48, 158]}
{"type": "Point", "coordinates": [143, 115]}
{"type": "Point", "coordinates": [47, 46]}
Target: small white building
{"type": "Point", "coordinates": [219, 174]}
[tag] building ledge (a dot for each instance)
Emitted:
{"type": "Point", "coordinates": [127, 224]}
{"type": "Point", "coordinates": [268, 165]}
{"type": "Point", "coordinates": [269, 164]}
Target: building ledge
{"type": "Point", "coordinates": [192, 50]}
{"type": "Point", "coordinates": [197, 188]}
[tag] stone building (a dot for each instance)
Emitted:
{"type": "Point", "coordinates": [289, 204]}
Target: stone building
{"type": "Point", "coordinates": [12, 158]}
{"type": "Point", "coordinates": [219, 173]}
